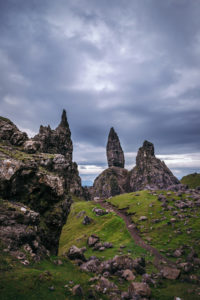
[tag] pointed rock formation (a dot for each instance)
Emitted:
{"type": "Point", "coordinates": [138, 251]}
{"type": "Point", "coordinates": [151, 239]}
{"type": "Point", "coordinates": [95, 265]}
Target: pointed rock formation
{"type": "Point", "coordinates": [114, 180]}
{"type": "Point", "coordinates": [150, 171]}
{"type": "Point", "coordinates": [56, 141]}
{"type": "Point", "coordinates": [115, 154]}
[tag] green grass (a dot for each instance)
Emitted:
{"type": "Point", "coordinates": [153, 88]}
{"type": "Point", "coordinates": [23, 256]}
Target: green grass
{"type": "Point", "coordinates": [192, 180]}
{"type": "Point", "coordinates": [18, 282]}
{"type": "Point", "coordinates": [110, 228]}
{"type": "Point", "coordinates": [162, 235]}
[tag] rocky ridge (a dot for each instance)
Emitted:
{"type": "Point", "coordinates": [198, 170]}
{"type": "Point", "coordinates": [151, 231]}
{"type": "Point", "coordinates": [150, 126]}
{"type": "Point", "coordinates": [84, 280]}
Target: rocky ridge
{"type": "Point", "coordinates": [37, 177]}
{"type": "Point", "coordinates": [150, 171]}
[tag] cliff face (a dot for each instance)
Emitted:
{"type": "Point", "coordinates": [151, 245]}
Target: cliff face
{"type": "Point", "coordinates": [150, 171]}
{"type": "Point", "coordinates": [36, 178]}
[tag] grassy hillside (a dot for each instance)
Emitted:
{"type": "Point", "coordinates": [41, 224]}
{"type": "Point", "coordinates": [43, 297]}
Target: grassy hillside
{"type": "Point", "coordinates": [158, 228]}
{"type": "Point", "coordinates": [109, 227]}
{"type": "Point", "coordinates": [33, 282]}
{"type": "Point", "coordinates": [192, 180]}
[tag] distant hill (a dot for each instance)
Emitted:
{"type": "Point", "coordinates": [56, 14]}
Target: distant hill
{"type": "Point", "coordinates": [192, 180]}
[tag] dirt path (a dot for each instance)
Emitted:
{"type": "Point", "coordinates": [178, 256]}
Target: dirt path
{"type": "Point", "coordinates": [159, 260]}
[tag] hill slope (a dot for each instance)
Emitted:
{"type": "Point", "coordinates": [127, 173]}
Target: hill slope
{"type": "Point", "coordinates": [192, 180]}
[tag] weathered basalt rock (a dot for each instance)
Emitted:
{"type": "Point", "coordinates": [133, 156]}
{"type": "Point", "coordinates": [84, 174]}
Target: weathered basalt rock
{"type": "Point", "coordinates": [9, 132]}
{"type": "Point", "coordinates": [115, 154]}
{"type": "Point", "coordinates": [56, 141]}
{"type": "Point", "coordinates": [113, 181]}
{"type": "Point", "coordinates": [38, 184]}
{"type": "Point", "coordinates": [150, 171]}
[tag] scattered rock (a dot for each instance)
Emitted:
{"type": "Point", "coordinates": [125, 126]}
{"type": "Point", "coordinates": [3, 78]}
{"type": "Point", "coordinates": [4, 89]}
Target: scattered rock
{"type": "Point", "coordinates": [87, 220]}
{"type": "Point", "coordinates": [139, 288]}
{"type": "Point", "coordinates": [75, 253]}
{"type": "Point", "coordinates": [99, 211]}
{"type": "Point", "coordinates": [77, 290]}
{"type": "Point", "coordinates": [170, 273]}
{"type": "Point", "coordinates": [143, 218]}
{"type": "Point", "coordinates": [128, 275]}
{"type": "Point", "coordinates": [92, 240]}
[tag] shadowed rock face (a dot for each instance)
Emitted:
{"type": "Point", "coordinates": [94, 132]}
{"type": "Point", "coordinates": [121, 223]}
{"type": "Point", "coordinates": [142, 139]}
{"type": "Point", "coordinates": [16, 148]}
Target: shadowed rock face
{"type": "Point", "coordinates": [115, 154]}
{"type": "Point", "coordinates": [150, 171]}
{"type": "Point", "coordinates": [36, 177]}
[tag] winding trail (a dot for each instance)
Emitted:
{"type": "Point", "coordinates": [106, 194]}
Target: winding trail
{"type": "Point", "coordinates": [159, 260]}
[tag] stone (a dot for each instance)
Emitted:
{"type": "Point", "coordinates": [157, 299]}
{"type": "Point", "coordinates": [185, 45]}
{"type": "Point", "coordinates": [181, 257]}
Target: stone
{"type": "Point", "coordinates": [31, 146]}
{"type": "Point", "coordinates": [105, 286]}
{"type": "Point", "coordinates": [99, 211]}
{"type": "Point", "coordinates": [92, 240]}
{"type": "Point", "coordinates": [77, 290]}
{"type": "Point", "coordinates": [128, 275]}
{"type": "Point", "coordinates": [87, 220]}
{"type": "Point", "coordinates": [90, 266]}
{"type": "Point", "coordinates": [139, 288]}
{"type": "Point", "coordinates": [143, 218]}
{"type": "Point", "coordinates": [150, 171]}
{"type": "Point", "coordinates": [75, 253]}
{"type": "Point", "coordinates": [115, 154]}
{"type": "Point", "coordinates": [170, 273]}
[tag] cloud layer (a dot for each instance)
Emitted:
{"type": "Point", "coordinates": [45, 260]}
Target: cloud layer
{"type": "Point", "coordinates": [134, 65]}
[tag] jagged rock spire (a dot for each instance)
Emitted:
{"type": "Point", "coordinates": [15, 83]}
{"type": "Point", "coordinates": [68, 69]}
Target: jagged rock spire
{"type": "Point", "coordinates": [64, 122]}
{"type": "Point", "coordinates": [115, 154]}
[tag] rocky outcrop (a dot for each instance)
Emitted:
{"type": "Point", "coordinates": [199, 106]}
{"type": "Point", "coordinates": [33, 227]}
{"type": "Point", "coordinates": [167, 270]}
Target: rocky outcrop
{"type": "Point", "coordinates": [114, 180]}
{"type": "Point", "coordinates": [36, 179]}
{"type": "Point", "coordinates": [44, 197]}
{"type": "Point", "coordinates": [10, 133]}
{"type": "Point", "coordinates": [56, 141]}
{"type": "Point", "coordinates": [111, 182]}
{"type": "Point", "coordinates": [115, 154]}
{"type": "Point", "coordinates": [150, 171]}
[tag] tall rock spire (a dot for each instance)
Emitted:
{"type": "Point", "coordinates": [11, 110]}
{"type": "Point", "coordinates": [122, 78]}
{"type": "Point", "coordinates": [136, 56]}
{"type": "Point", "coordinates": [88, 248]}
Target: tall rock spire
{"type": "Point", "coordinates": [115, 154]}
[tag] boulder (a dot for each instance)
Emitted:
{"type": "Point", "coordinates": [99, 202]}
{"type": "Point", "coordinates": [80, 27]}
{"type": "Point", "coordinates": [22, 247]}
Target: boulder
{"type": "Point", "coordinates": [92, 240]}
{"type": "Point", "coordinates": [139, 288]}
{"type": "Point", "coordinates": [87, 220]}
{"type": "Point", "coordinates": [75, 253]}
{"type": "Point", "coordinates": [128, 275]}
{"type": "Point", "coordinates": [170, 273]}
{"type": "Point", "coordinates": [77, 290]}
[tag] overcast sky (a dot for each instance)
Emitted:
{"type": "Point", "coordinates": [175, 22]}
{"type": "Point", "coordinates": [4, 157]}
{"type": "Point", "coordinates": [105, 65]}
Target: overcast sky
{"type": "Point", "coordinates": [130, 64]}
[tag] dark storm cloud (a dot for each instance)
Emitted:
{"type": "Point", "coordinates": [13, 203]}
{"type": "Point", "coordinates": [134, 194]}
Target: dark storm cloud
{"type": "Point", "coordinates": [134, 65]}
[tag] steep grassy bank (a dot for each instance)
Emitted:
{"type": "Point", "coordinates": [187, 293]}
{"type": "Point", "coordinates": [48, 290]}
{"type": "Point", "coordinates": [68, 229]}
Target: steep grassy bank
{"type": "Point", "coordinates": [192, 180]}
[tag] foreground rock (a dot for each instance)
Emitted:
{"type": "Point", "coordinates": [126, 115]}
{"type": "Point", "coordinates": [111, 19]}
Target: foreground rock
{"type": "Point", "coordinates": [35, 187]}
{"type": "Point", "coordinates": [139, 288]}
{"type": "Point", "coordinates": [170, 273]}
{"type": "Point", "coordinates": [150, 171]}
